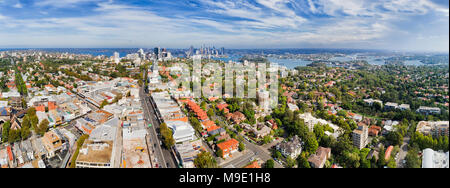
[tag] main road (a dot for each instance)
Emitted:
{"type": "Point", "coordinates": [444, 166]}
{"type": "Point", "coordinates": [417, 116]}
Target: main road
{"type": "Point", "coordinates": [164, 157]}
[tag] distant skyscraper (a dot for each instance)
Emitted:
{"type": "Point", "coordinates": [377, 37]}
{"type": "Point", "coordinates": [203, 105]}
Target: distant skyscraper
{"type": "Point", "coordinates": [157, 52]}
{"type": "Point", "coordinates": [116, 57]}
{"type": "Point", "coordinates": [141, 53]}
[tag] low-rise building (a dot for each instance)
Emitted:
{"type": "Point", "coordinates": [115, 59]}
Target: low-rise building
{"type": "Point", "coordinates": [188, 151]}
{"type": "Point", "coordinates": [370, 102]}
{"type": "Point", "coordinates": [390, 106]}
{"type": "Point", "coordinates": [318, 159]}
{"type": "Point", "coordinates": [101, 149]}
{"type": "Point", "coordinates": [53, 142]}
{"type": "Point", "coordinates": [182, 131]}
{"type": "Point", "coordinates": [236, 117]}
{"type": "Point", "coordinates": [434, 128]}
{"type": "Point", "coordinates": [228, 147]}
{"type": "Point", "coordinates": [292, 148]}
{"type": "Point", "coordinates": [374, 130]}
{"type": "Point", "coordinates": [404, 107]}
{"type": "Point", "coordinates": [428, 110]}
{"type": "Point", "coordinates": [434, 159]}
{"type": "Point", "coordinates": [261, 131]}
{"type": "Point", "coordinates": [311, 121]}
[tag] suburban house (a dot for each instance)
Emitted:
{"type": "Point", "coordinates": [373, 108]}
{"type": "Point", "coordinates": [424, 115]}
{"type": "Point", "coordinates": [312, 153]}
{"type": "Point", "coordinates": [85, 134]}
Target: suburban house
{"type": "Point", "coordinates": [318, 159]}
{"type": "Point", "coordinates": [292, 149]}
{"type": "Point", "coordinates": [228, 147]}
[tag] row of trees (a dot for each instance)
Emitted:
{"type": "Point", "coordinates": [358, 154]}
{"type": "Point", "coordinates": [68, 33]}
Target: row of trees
{"type": "Point", "coordinates": [167, 135]}
{"type": "Point", "coordinates": [422, 142]}
{"type": "Point", "coordinates": [20, 84]}
{"type": "Point", "coordinates": [80, 143]}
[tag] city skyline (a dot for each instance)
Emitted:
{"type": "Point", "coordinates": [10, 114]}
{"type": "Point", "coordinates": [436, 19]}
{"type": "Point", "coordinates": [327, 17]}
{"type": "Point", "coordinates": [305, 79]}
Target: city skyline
{"type": "Point", "coordinates": [403, 25]}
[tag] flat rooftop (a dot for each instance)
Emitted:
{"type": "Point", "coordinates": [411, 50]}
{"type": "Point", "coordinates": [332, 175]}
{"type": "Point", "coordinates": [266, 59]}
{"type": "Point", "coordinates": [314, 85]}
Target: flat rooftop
{"type": "Point", "coordinates": [96, 152]}
{"type": "Point", "coordinates": [135, 153]}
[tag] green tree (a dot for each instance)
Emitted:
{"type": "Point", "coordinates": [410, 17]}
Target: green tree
{"type": "Point", "coordinates": [269, 164]}
{"type": "Point", "coordinates": [290, 163]}
{"type": "Point", "coordinates": [205, 160]}
{"type": "Point", "coordinates": [210, 113]}
{"type": "Point", "coordinates": [365, 163]}
{"type": "Point", "coordinates": [267, 139]}
{"type": "Point", "coordinates": [104, 103]}
{"type": "Point", "coordinates": [303, 161]}
{"type": "Point", "coordinates": [5, 131]}
{"type": "Point", "coordinates": [311, 143]}
{"type": "Point", "coordinates": [395, 138]}
{"type": "Point", "coordinates": [241, 146]}
{"type": "Point", "coordinates": [381, 160]}
{"type": "Point", "coordinates": [219, 152]}
{"type": "Point", "coordinates": [392, 163]}
{"type": "Point", "coordinates": [43, 127]}
{"type": "Point", "coordinates": [80, 143]}
{"type": "Point", "coordinates": [25, 133]}
{"type": "Point", "coordinates": [13, 136]}
{"type": "Point", "coordinates": [167, 135]}
{"type": "Point", "coordinates": [319, 131]}
{"type": "Point", "coordinates": [412, 159]}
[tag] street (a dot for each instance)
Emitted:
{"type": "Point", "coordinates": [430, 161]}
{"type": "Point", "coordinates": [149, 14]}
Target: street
{"type": "Point", "coordinates": [163, 156]}
{"type": "Point", "coordinates": [402, 153]}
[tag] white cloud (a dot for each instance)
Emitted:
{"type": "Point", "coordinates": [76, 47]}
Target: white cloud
{"type": "Point", "coordinates": [268, 24]}
{"type": "Point", "coordinates": [18, 5]}
{"type": "Point", "coordinates": [62, 3]}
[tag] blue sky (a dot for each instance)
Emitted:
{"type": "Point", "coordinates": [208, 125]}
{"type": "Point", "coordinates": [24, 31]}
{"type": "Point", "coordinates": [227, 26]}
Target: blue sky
{"type": "Point", "coordinates": [404, 25]}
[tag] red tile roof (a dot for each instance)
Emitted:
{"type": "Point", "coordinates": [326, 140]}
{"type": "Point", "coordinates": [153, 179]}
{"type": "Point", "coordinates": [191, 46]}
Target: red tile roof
{"type": "Point", "coordinates": [228, 146]}
{"type": "Point", "coordinates": [10, 155]}
{"type": "Point", "coordinates": [387, 156]}
{"type": "Point", "coordinates": [253, 165]}
{"type": "Point", "coordinates": [200, 113]}
{"type": "Point", "coordinates": [52, 106]}
{"type": "Point", "coordinates": [40, 108]}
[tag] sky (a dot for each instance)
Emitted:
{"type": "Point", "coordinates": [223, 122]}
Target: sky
{"type": "Point", "coordinates": [400, 25]}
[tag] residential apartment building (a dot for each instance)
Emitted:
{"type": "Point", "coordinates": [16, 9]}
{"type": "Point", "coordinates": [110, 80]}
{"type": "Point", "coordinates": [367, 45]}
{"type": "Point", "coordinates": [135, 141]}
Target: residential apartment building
{"type": "Point", "coordinates": [321, 156]}
{"type": "Point", "coordinates": [428, 110]}
{"type": "Point", "coordinates": [228, 147]}
{"type": "Point", "coordinates": [434, 128]}
{"type": "Point", "coordinates": [292, 148]}
{"type": "Point", "coordinates": [360, 137]}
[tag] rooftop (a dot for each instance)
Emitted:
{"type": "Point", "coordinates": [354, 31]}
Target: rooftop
{"type": "Point", "coordinates": [96, 152]}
